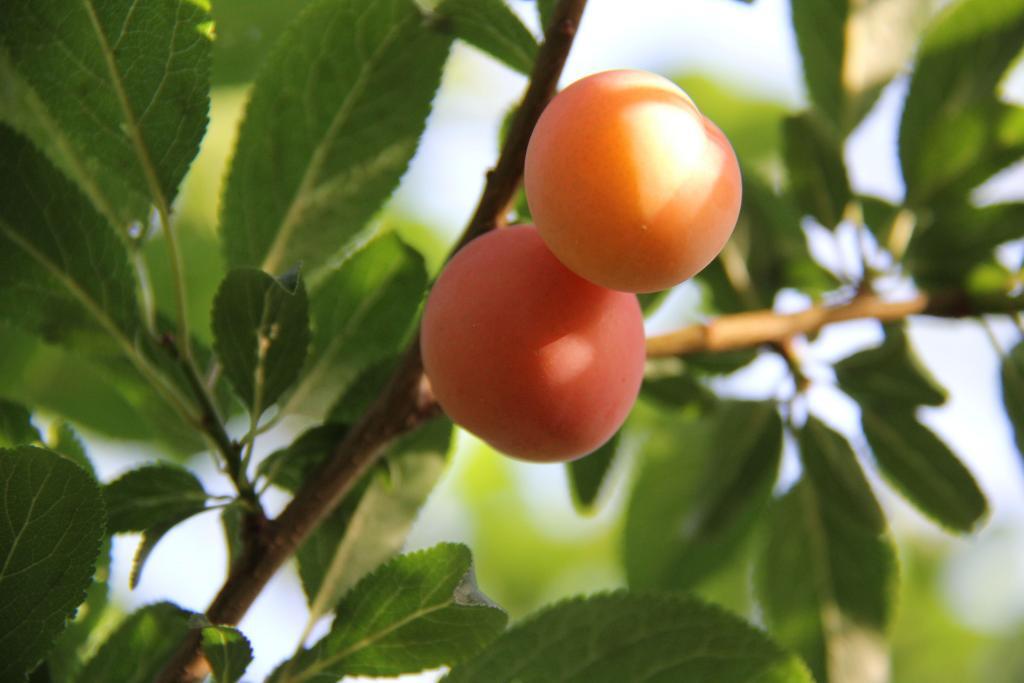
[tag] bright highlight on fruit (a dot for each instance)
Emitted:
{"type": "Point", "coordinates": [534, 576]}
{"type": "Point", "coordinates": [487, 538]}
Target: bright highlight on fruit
{"type": "Point", "coordinates": [629, 184]}
{"type": "Point", "coordinates": [538, 362]}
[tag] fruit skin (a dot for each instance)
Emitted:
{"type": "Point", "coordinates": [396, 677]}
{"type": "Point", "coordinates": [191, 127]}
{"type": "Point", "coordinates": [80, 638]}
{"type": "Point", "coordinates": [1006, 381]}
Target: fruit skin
{"type": "Point", "coordinates": [538, 362]}
{"type": "Point", "coordinates": [629, 184]}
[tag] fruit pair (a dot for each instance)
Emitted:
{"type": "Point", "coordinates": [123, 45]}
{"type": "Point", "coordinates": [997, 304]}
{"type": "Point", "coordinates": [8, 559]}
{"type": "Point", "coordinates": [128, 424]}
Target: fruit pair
{"type": "Point", "coordinates": [533, 338]}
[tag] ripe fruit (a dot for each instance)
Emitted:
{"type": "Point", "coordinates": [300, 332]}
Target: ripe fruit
{"type": "Point", "coordinates": [538, 362]}
{"type": "Point", "coordinates": [629, 184]}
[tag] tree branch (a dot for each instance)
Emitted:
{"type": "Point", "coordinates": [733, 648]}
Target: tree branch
{"type": "Point", "coordinates": [405, 403]}
{"type": "Point", "coordinates": [754, 328]}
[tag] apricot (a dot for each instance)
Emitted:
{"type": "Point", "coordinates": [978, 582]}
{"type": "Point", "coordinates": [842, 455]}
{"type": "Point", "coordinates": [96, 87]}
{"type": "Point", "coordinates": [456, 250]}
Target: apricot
{"type": "Point", "coordinates": [536, 361]}
{"type": "Point", "coordinates": [629, 184]}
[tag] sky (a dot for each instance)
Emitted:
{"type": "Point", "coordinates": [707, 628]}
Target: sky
{"type": "Point", "coordinates": [753, 47]}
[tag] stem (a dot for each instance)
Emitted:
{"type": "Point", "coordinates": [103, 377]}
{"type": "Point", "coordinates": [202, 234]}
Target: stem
{"type": "Point", "coordinates": [213, 427]}
{"type": "Point", "coordinates": [406, 401]}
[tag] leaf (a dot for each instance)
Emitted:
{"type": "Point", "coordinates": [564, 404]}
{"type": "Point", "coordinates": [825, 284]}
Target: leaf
{"type": "Point", "coordinates": [151, 495]}
{"type": "Point", "coordinates": [246, 31]}
{"type": "Point", "coordinates": [67, 657]}
{"type": "Point", "coordinates": [773, 244]}
{"type": "Point", "coordinates": [115, 92]}
{"type": "Point", "coordinates": [362, 391]}
{"type": "Point", "coordinates": [624, 637]}
{"type": "Point", "coordinates": [944, 250]}
{"type": "Point", "coordinates": [826, 578]}
{"type": "Point", "coordinates": [492, 27]}
{"type": "Point", "coordinates": [924, 468]}
{"type": "Point", "coordinates": [64, 440]}
{"type": "Point", "coordinates": [546, 9]}
{"type": "Point", "coordinates": [357, 540]}
{"type": "Point", "coordinates": [419, 611]}
{"type": "Point", "coordinates": [140, 647]}
{"type": "Point", "coordinates": [587, 474]}
{"type": "Point", "coordinates": [16, 426]}
{"type": "Point", "coordinates": [228, 652]}
{"type": "Point", "coordinates": [335, 115]}
{"type": "Point", "coordinates": [675, 389]}
{"type": "Point", "coordinates": [880, 38]}
{"type": "Point", "coordinates": [820, 27]}
{"type": "Point", "coordinates": [50, 535]}
{"type": "Point", "coordinates": [107, 396]}
{"type": "Point", "coordinates": [817, 173]}
{"type": "Point", "coordinates": [851, 50]}
{"type": "Point", "coordinates": [152, 499]}
{"type": "Point", "coordinates": [261, 327]}
{"type": "Point", "coordinates": [889, 375]}
{"type": "Point", "coordinates": [61, 268]}
{"type": "Point", "coordinates": [362, 312]}
{"type": "Point", "coordinates": [289, 467]}
{"type": "Point", "coordinates": [1013, 392]}
{"type": "Point", "coordinates": [702, 486]}
{"type": "Point", "coordinates": [954, 132]}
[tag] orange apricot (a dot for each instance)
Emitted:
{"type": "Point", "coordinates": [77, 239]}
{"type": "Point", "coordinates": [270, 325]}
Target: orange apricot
{"type": "Point", "coordinates": [629, 184]}
{"type": "Point", "coordinates": [538, 362]}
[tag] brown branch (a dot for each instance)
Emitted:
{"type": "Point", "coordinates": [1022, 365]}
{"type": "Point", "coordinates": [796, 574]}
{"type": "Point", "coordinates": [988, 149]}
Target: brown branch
{"type": "Point", "coordinates": [754, 328]}
{"type": "Point", "coordinates": [404, 404]}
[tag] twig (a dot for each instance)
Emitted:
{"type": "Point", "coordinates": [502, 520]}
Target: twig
{"type": "Point", "coordinates": [746, 330]}
{"type": "Point", "coordinates": [213, 426]}
{"type": "Point", "coordinates": [406, 401]}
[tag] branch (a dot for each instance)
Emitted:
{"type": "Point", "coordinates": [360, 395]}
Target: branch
{"type": "Point", "coordinates": [746, 330]}
{"type": "Point", "coordinates": [404, 404]}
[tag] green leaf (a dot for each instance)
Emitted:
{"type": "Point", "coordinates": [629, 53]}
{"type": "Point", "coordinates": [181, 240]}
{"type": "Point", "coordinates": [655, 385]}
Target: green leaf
{"type": "Point", "coordinates": [546, 9]}
{"type": "Point", "coordinates": [51, 528]}
{"type": "Point", "coordinates": [817, 172]}
{"type": "Point", "coordinates": [16, 426]}
{"type": "Point", "coordinates": [419, 611]}
{"type": "Point", "coordinates": [107, 396]}
{"type": "Point", "coordinates": [152, 499]}
{"type": "Point", "coordinates": [362, 312]}
{"type": "Point", "coordinates": [69, 652]}
{"type": "Point", "coordinates": [587, 474]}
{"type": "Point", "coordinates": [140, 647]}
{"type": "Point", "coordinates": [702, 486]}
{"type": "Point", "coordinates": [1013, 392]}
{"type": "Point", "coordinates": [62, 270]}
{"type": "Point", "coordinates": [820, 27]}
{"type": "Point", "coordinates": [954, 238]}
{"type": "Point", "coordinates": [115, 92]}
{"type": "Point", "coordinates": [851, 50]}
{"type": "Point", "coordinates": [335, 116]}
{"type": "Point", "coordinates": [261, 327]}
{"type": "Point", "coordinates": [879, 217]}
{"type": "Point", "coordinates": [67, 656]}
{"type": "Point", "coordinates": [227, 651]}
{"type": "Point", "coordinates": [889, 375]}
{"type": "Point", "coordinates": [290, 466]}
{"type": "Point", "coordinates": [955, 132]}
{"type": "Point", "coordinates": [64, 440]}
{"type": "Point", "coordinates": [623, 637]}
{"type": "Point", "coordinates": [491, 26]}
{"type": "Point", "coordinates": [358, 539]}
{"type": "Point", "coordinates": [880, 37]}
{"type": "Point", "coordinates": [674, 388]}
{"type": "Point", "coordinates": [152, 495]}
{"type": "Point", "coordinates": [773, 244]}
{"type": "Point", "coordinates": [827, 573]}
{"type": "Point", "coordinates": [246, 31]}
{"type": "Point", "coordinates": [362, 391]}
{"type": "Point", "coordinates": [923, 468]}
